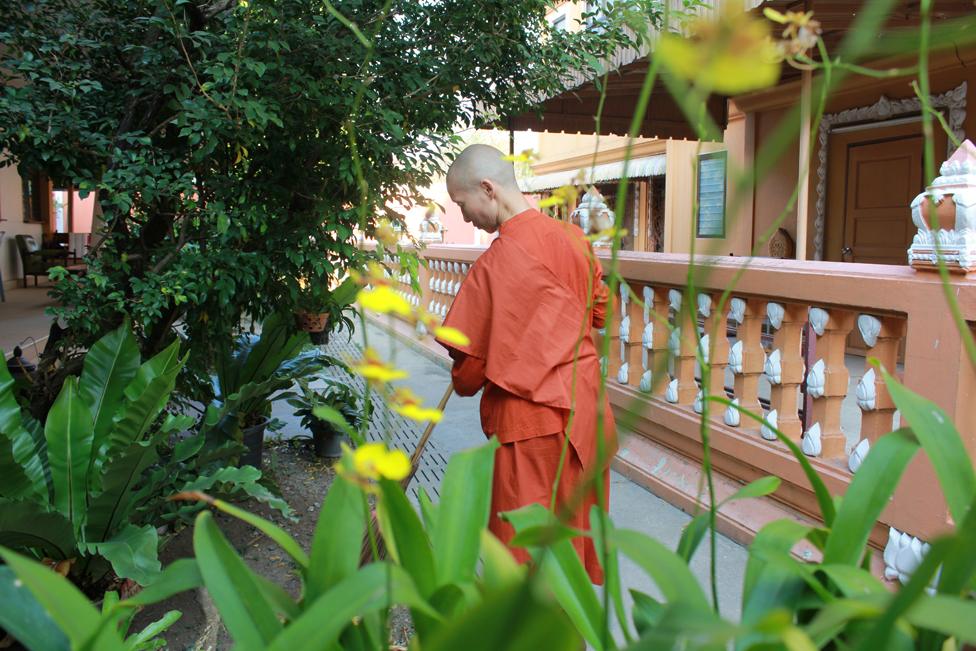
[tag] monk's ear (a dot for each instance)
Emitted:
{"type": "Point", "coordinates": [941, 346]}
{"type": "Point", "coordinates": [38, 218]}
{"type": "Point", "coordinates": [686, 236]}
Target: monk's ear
{"type": "Point", "coordinates": [488, 188]}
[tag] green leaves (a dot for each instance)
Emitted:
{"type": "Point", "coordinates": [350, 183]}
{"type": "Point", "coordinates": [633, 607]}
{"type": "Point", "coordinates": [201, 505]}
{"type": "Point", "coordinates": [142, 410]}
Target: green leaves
{"type": "Point", "coordinates": [24, 618]}
{"type": "Point", "coordinates": [938, 436]}
{"type": "Point", "coordinates": [463, 513]}
{"type": "Point", "coordinates": [68, 432]}
{"type": "Point", "coordinates": [20, 465]}
{"type": "Point", "coordinates": [246, 613]}
{"type": "Point", "coordinates": [110, 365]}
{"type": "Point", "coordinates": [515, 619]}
{"type": "Point", "coordinates": [65, 604]}
{"type": "Point", "coordinates": [564, 574]}
{"type": "Point", "coordinates": [132, 553]}
{"type": "Point", "coordinates": [868, 494]}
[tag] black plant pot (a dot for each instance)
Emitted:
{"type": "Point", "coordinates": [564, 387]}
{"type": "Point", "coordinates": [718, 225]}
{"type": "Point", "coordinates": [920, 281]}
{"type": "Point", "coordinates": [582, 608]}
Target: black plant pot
{"type": "Point", "coordinates": [326, 442]}
{"type": "Point", "coordinates": [253, 440]}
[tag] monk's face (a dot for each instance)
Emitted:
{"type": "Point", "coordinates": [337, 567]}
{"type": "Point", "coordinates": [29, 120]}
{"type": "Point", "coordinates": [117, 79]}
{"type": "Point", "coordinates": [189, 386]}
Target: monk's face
{"type": "Point", "coordinates": [478, 203]}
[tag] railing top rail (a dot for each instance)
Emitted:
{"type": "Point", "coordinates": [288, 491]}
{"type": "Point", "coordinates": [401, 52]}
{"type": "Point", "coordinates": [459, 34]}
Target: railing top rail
{"type": "Point", "coordinates": [868, 287]}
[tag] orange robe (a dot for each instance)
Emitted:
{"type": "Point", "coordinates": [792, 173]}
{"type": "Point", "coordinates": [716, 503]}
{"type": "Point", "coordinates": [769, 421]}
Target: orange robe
{"type": "Point", "coordinates": [527, 304]}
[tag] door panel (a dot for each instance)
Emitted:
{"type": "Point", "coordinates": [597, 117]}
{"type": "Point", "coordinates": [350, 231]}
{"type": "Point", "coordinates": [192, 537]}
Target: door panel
{"type": "Point", "coordinates": [882, 179]}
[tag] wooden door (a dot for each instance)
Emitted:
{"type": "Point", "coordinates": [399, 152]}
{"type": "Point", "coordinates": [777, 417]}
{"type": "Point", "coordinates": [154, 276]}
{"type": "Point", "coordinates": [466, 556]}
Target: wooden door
{"type": "Point", "coordinates": [882, 179]}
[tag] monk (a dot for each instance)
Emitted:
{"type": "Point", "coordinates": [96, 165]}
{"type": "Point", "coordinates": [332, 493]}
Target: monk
{"type": "Point", "coordinates": [528, 305]}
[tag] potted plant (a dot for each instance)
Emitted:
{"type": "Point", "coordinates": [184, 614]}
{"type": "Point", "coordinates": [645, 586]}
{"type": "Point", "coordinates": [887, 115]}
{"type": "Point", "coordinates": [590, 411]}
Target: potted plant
{"type": "Point", "coordinates": [320, 308]}
{"type": "Point", "coordinates": [248, 378]}
{"type": "Point", "coordinates": [341, 396]}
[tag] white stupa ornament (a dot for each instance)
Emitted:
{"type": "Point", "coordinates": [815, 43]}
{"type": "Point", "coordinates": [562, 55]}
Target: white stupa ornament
{"type": "Point", "coordinates": [593, 215]}
{"type": "Point", "coordinates": [954, 195]}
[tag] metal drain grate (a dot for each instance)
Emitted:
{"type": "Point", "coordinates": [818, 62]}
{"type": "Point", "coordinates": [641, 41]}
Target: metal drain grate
{"type": "Point", "coordinates": [404, 434]}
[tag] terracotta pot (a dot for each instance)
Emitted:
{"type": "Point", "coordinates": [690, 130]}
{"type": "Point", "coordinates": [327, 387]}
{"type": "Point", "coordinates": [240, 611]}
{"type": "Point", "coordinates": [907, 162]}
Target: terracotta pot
{"type": "Point", "coordinates": [310, 322]}
{"type": "Point", "coordinates": [946, 211]}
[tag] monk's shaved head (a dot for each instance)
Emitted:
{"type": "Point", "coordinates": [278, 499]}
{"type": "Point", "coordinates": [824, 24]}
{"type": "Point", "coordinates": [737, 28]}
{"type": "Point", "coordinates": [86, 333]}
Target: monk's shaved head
{"type": "Point", "coordinates": [479, 162]}
{"type": "Point", "coordinates": [482, 183]}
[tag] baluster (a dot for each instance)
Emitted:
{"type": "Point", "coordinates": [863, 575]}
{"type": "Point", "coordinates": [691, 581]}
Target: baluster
{"type": "Point", "coordinates": [598, 334]}
{"type": "Point", "coordinates": [747, 359]}
{"type": "Point", "coordinates": [827, 383]}
{"type": "Point", "coordinates": [715, 347]}
{"type": "Point", "coordinates": [654, 340]}
{"type": "Point", "coordinates": [882, 336]}
{"type": "Point", "coordinates": [631, 344]}
{"type": "Point", "coordinates": [613, 331]}
{"type": "Point", "coordinates": [784, 369]}
{"type": "Point", "coordinates": [683, 389]}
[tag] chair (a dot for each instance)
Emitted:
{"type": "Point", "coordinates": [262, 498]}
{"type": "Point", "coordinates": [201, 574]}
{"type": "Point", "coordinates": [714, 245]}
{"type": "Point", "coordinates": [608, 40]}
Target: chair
{"type": "Point", "coordinates": [35, 260]}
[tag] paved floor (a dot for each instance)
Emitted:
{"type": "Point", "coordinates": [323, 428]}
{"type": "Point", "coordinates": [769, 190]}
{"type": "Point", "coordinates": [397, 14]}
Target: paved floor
{"type": "Point", "coordinates": [22, 316]}
{"type": "Point", "coordinates": [631, 507]}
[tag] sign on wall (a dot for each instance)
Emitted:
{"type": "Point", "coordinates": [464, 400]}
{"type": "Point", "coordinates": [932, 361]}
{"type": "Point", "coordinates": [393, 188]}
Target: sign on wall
{"type": "Point", "coordinates": [711, 194]}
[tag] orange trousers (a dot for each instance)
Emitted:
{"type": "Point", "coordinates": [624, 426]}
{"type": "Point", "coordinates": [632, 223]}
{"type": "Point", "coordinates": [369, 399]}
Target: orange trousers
{"type": "Point", "coordinates": [525, 472]}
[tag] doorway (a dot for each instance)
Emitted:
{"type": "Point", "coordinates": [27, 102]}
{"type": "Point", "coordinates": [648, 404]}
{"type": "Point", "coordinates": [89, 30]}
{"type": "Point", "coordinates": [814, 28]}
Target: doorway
{"type": "Point", "coordinates": [875, 172]}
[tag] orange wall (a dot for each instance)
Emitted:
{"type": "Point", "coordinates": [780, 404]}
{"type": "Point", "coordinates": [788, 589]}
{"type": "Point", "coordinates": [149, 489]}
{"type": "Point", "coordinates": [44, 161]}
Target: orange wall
{"type": "Point", "coordinates": [766, 110]}
{"type": "Point", "coordinates": [773, 191]}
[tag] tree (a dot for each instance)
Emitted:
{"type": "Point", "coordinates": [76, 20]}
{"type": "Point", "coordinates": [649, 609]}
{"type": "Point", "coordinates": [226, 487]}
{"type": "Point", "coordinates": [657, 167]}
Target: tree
{"type": "Point", "coordinates": [234, 146]}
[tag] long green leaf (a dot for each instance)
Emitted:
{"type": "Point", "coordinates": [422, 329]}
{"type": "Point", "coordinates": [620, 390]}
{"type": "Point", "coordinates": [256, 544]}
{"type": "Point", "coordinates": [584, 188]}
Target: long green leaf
{"type": "Point", "coordinates": [669, 572]}
{"type": "Point", "coordinates": [868, 494]}
{"type": "Point", "coordinates": [409, 540]}
{"type": "Point", "coordinates": [248, 616]}
{"type": "Point", "coordinates": [70, 609]}
{"type": "Point", "coordinates": [68, 432]}
{"type": "Point", "coordinates": [942, 443]}
{"type": "Point", "coordinates": [144, 638]}
{"type": "Point", "coordinates": [408, 544]}
{"type": "Point", "coordinates": [512, 619]}
{"type": "Point", "coordinates": [337, 539]}
{"type": "Point", "coordinates": [951, 616]}
{"type": "Point", "coordinates": [499, 569]}
{"type": "Point", "coordinates": [145, 398]}
{"type": "Point", "coordinates": [110, 365]}
{"type": "Point", "coordinates": [768, 586]}
{"type": "Point", "coordinates": [25, 619]}
{"type": "Point", "coordinates": [359, 594]}
{"type": "Point", "coordinates": [268, 528]}
{"type": "Point", "coordinates": [20, 463]}
{"type": "Point", "coordinates": [29, 525]}
{"type": "Point", "coordinates": [605, 549]}
{"type": "Point", "coordinates": [463, 513]}
{"type": "Point", "coordinates": [564, 574]}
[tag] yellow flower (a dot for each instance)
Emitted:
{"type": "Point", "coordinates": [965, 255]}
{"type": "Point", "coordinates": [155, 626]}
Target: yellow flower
{"type": "Point", "coordinates": [375, 369]}
{"type": "Point", "coordinates": [567, 194]}
{"type": "Point", "coordinates": [801, 32]}
{"type": "Point", "coordinates": [374, 461]}
{"type": "Point", "coordinates": [383, 299]}
{"type": "Point", "coordinates": [385, 233]}
{"type": "Point", "coordinates": [606, 234]}
{"type": "Point", "coordinates": [451, 336]}
{"type": "Point", "coordinates": [406, 403]}
{"type": "Point", "coordinates": [734, 54]}
{"type": "Point", "coordinates": [526, 156]}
